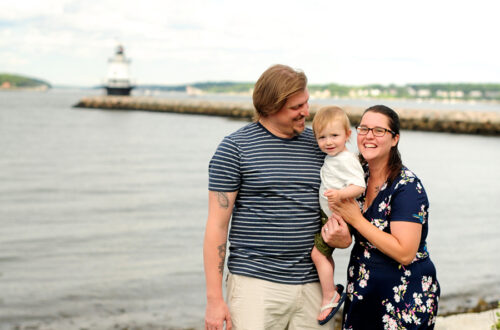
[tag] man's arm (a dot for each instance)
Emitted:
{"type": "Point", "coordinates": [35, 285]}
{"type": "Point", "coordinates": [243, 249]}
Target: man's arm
{"type": "Point", "coordinates": [220, 208]}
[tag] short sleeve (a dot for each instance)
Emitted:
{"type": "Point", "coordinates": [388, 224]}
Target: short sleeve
{"type": "Point", "coordinates": [224, 167]}
{"type": "Point", "coordinates": [343, 170]}
{"type": "Point", "coordinates": [354, 172]}
{"type": "Point", "coordinates": [409, 201]}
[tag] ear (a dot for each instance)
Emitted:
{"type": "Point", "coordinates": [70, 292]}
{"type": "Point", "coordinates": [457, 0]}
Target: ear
{"type": "Point", "coordinates": [348, 134]}
{"type": "Point", "coordinates": [395, 140]}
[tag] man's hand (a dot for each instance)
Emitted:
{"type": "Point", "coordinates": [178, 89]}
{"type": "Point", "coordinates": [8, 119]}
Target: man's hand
{"type": "Point", "coordinates": [336, 233]}
{"type": "Point", "coordinates": [216, 313]}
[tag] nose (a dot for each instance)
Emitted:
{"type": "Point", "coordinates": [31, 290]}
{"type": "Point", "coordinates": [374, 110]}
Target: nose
{"type": "Point", "coordinates": [305, 110]}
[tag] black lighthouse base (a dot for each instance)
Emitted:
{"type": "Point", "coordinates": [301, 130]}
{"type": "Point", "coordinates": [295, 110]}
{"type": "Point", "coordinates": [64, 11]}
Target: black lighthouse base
{"type": "Point", "coordinates": [123, 91]}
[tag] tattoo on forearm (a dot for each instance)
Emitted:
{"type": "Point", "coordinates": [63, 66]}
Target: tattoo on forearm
{"type": "Point", "coordinates": [222, 257]}
{"type": "Point", "coordinates": [223, 200]}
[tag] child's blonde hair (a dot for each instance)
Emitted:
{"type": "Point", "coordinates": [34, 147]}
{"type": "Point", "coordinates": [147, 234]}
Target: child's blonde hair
{"type": "Point", "coordinates": [328, 114]}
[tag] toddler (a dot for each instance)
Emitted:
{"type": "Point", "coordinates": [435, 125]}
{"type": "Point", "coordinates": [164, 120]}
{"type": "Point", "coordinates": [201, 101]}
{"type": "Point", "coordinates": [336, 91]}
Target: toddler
{"type": "Point", "coordinates": [343, 175]}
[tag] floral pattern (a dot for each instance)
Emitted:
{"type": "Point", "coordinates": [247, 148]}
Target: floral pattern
{"type": "Point", "coordinates": [381, 293]}
{"type": "Point", "coordinates": [422, 302]}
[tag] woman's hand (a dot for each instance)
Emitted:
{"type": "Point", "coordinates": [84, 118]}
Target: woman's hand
{"type": "Point", "coordinates": [348, 210]}
{"type": "Point", "coordinates": [401, 244]}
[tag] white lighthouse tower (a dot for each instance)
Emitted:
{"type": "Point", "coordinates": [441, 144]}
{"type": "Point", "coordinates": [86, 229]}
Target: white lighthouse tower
{"type": "Point", "coordinates": [118, 80]}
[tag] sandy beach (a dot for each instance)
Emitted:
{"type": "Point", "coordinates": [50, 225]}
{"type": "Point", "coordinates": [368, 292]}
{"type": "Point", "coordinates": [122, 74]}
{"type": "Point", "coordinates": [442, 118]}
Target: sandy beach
{"type": "Point", "coordinates": [467, 321]}
{"type": "Point", "coordinates": [484, 320]}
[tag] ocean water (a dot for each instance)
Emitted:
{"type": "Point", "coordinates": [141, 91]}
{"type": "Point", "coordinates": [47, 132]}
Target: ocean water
{"type": "Point", "coordinates": [102, 213]}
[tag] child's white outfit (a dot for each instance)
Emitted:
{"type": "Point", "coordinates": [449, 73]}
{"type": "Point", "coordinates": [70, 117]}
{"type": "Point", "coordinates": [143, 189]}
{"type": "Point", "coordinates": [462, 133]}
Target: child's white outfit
{"type": "Point", "coordinates": [338, 172]}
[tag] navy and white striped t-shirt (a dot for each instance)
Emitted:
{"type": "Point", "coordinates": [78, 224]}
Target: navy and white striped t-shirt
{"type": "Point", "coordinates": [276, 212]}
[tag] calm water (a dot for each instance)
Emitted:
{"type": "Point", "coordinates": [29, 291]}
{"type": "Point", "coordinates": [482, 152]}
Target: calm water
{"type": "Point", "coordinates": [103, 212]}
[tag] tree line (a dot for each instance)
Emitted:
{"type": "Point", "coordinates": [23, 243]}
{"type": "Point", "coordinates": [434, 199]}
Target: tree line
{"type": "Point", "coordinates": [17, 81]}
{"type": "Point", "coordinates": [466, 91]}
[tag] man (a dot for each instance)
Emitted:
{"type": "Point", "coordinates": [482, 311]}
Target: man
{"type": "Point", "coordinates": [266, 177]}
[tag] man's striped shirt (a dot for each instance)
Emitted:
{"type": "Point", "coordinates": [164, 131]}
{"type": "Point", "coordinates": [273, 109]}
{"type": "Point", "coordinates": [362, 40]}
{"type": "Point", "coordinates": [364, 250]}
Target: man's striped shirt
{"type": "Point", "coordinates": [276, 212]}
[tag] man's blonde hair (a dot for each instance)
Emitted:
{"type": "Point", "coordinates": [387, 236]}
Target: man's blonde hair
{"type": "Point", "coordinates": [274, 87]}
{"type": "Point", "coordinates": [328, 114]}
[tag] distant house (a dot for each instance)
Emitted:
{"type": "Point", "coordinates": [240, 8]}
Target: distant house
{"type": "Point", "coordinates": [457, 94]}
{"type": "Point", "coordinates": [492, 94]}
{"type": "Point", "coordinates": [424, 93]}
{"type": "Point", "coordinates": [321, 94]}
{"type": "Point", "coordinates": [6, 84]}
{"type": "Point", "coordinates": [411, 91]}
{"type": "Point", "coordinates": [190, 90]}
{"type": "Point", "coordinates": [475, 94]}
{"type": "Point", "coordinates": [441, 93]}
{"type": "Point", "coordinates": [363, 92]}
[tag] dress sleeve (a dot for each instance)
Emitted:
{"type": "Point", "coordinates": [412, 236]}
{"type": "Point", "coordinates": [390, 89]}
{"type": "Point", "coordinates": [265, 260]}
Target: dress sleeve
{"type": "Point", "coordinates": [409, 200]}
{"type": "Point", "coordinates": [224, 167]}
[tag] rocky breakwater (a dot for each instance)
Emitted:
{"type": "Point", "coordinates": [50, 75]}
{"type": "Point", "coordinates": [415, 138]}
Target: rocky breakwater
{"type": "Point", "coordinates": [191, 106]}
{"type": "Point", "coordinates": [467, 122]}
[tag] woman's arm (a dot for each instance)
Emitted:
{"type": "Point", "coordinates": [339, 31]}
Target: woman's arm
{"type": "Point", "coordinates": [220, 208]}
{"type": "Point", "coordinates": [401, 244]}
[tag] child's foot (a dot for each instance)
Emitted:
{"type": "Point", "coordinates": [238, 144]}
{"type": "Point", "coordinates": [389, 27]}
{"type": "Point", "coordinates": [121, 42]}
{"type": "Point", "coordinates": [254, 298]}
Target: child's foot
{"type": "Point", "coordinates": [330, 305]}
{"type": "Point", "coordinates": [326, 300]}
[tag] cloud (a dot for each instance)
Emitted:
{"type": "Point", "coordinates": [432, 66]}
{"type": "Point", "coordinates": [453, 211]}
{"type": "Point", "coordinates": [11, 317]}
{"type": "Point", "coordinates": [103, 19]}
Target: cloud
{"type": "Point", "coordinates": [193, 40]}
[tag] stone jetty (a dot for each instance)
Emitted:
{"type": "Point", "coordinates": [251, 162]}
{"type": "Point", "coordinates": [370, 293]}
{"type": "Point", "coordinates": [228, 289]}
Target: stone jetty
{"type": "Point", "coordinates": [466, 122]}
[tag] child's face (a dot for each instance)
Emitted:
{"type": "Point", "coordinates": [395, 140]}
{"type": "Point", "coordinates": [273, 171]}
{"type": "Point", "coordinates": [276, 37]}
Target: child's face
{"type": "Point", "coordinates": [332, 138]}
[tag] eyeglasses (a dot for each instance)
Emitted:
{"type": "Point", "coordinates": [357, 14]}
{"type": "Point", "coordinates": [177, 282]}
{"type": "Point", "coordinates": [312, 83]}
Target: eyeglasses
{"type": "Point", "coordinates": [377, 131]}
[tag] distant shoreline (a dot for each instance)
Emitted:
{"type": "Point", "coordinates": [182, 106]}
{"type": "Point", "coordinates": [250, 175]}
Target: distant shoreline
{"type": "Point", "coordinates": [14, 81]}
{"type": "Point", "coordinates": [425, 91]}
{"type": "Point", "coordinates": [41, 88]}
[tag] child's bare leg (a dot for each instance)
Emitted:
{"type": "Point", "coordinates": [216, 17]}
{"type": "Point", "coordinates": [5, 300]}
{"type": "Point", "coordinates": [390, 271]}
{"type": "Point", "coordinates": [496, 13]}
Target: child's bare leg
{"type": "Point", "coordinates": [325, 267]}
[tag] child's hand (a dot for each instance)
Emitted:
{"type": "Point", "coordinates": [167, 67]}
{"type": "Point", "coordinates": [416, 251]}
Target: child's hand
{"type": "Point", "coordinates": [333, 196]}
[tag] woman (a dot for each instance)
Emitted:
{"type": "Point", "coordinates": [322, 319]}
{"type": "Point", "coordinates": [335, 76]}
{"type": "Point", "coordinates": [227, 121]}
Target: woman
{"type": "Point", "coordinates": [391, 279]}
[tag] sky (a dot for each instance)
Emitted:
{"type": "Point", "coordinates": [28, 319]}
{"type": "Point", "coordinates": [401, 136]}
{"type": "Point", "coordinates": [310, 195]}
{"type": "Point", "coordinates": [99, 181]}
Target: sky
{"type": "Point", "coordinates": [350, 42]}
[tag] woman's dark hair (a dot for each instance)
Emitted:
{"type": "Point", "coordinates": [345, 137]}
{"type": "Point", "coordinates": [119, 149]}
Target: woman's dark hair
{"type": "Point", "coordinates": [394, 164]}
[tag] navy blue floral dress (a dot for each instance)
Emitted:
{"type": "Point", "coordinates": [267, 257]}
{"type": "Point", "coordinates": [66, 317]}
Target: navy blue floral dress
{"type": "Point", "coordinates": [382, 293]}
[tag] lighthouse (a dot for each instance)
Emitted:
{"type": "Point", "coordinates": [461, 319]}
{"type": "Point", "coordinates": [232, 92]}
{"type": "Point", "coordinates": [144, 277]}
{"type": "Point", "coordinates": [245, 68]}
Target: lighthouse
{"type": "Point", "coordinates": [118, 80]}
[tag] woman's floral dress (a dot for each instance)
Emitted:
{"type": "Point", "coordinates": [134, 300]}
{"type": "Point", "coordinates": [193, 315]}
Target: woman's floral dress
{"type": "Point", "coordinates": [381, 293]}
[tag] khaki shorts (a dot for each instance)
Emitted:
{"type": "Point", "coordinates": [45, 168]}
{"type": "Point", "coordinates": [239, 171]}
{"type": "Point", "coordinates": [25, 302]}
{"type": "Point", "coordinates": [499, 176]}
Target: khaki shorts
{"type": "Point", "coordinates": [257, 304]}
